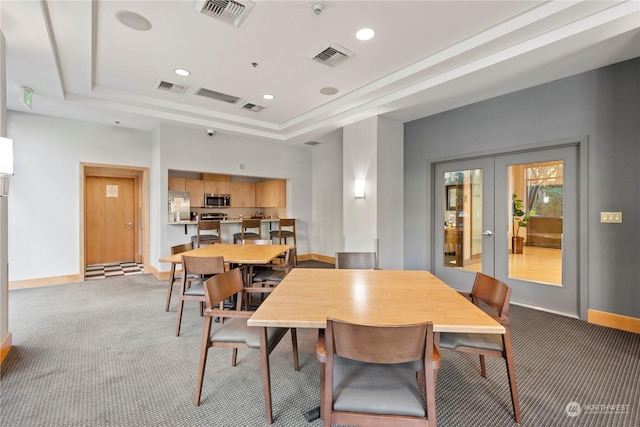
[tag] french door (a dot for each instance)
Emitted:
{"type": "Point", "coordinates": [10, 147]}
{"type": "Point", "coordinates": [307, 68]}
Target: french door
{"type": "Point", "coordinates": [514, 217]}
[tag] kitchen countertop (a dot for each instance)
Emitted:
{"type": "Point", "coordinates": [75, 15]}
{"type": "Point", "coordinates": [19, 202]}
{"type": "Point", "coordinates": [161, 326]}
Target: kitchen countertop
{"type": "Point", "coordinates": [225, 221]}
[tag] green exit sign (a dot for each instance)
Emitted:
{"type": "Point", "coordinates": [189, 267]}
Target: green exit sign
{"type": "Point", "coordinates": [27, 96]}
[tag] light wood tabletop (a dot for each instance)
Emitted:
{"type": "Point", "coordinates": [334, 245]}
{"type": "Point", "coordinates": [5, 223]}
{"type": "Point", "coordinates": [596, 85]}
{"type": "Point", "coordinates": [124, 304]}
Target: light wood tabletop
{"type": "Point", "coordinates": [308, 296]}
{"type": "Point", "coordinates": [236, 254]}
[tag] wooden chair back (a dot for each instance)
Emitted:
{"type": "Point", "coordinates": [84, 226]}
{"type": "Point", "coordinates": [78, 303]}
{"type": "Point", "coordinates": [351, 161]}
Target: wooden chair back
{"type": "Point", "coordinates": [493, 293]}
{"type": "Point", "coordinates": [249, 224]}
{"type": "Point", "coordinates": [380, 344]}
{"type": "Point", "coordinates": [356, 260]}
{"type": "Point", "coordinates": [178, 249]}
{"type": "Point", "coordinates": [222, 286]}
{"type": "Point", "coordinates": [203, 266]}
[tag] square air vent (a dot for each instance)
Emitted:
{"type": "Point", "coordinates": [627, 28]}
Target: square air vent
{"type": "Point", "coordinates": [171, 87]}
{"type": "Point", "coordinates": [332, 55]}
{"type": "Point", "coordinates": [218, 96]}
{"type": "Point", "coordinates": [232, 12]}
{"type": "Point", "coordinates": [252, 107]}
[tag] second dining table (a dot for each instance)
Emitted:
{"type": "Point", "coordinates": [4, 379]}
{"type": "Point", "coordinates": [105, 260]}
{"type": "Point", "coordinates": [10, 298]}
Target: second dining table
{"type": "Point", "coordinates": [232, 254]}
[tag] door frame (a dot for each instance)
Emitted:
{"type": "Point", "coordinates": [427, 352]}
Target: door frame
{"type": "Point", "coordinates": [140, 176]}
{"type": "Point", "coordinates": [582, 144]}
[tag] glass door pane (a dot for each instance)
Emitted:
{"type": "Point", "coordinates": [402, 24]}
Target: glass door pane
{"type": "Point", "coordinates": [536, 228]}
{"type": "Point", "coordinates": [462, 219]}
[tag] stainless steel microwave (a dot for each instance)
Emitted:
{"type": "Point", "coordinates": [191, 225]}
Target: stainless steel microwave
{"type": "Point", "coordinates": [217, 200]}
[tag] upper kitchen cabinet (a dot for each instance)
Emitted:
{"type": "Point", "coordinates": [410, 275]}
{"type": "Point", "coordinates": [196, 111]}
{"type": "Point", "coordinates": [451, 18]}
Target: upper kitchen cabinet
{"type": "Point", "coordinates": [271, 194]}
{"type": "Point", "coordinates": [195, 187]}
{"type": "Point", "coordinates": [176, 184]}
{"type": "Point", "coordinates": [216, 183]}
{"type": "Point", "coordinates": [217, 187]}
{"type": "Point", "coordinates": [243, 194]}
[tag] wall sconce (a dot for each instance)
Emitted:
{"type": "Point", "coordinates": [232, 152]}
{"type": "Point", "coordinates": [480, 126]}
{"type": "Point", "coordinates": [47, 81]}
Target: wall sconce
{"type": "Point", "coordinates": [358, 189]}
{"type": "Point", "coordinates": [6, 156]}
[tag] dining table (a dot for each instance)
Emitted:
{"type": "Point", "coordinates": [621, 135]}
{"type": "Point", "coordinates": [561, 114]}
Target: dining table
{"type": "Point", "coordinates": [306, 297]}
{"type": "Point", "coordinates": [232, 254]}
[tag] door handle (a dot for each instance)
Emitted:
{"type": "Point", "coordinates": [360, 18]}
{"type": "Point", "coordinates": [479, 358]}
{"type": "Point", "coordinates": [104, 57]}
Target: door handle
{"type": "Point", "coordinates": [130, 225]}
{"type": "Point", "coordinates": [487, 233]}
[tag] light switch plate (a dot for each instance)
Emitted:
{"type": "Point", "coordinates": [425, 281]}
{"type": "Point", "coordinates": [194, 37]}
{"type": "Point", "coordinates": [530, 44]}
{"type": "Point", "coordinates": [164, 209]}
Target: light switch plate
{"type": "Point", "coordinates": [611, 217]}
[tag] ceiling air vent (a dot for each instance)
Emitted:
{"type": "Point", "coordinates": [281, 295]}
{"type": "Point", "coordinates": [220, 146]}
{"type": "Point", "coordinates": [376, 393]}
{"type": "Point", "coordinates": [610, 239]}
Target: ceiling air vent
{"type": "Point", "coordinates": [232, 12]}
{"type": "Point", "coordinates": [333, 55]}
{"type": "Point", "coordinates": [218, 96]}
{"type": "Point", "coordinates": [252, 107]}
{"type": "Point", "coordinates": [172, 87]}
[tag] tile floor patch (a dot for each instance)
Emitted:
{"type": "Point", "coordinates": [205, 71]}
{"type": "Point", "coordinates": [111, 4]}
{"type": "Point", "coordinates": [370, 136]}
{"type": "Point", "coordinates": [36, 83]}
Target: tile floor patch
{"type": "Point", "coordinates": [101, 271]}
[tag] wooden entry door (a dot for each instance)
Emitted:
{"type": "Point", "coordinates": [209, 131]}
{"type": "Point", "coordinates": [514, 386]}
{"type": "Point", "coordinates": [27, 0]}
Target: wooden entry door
{"type": "Point", "coordinates": [109, 219]}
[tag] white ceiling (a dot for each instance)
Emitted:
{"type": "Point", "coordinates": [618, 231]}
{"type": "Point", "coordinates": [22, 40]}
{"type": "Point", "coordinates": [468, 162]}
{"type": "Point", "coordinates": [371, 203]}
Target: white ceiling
{"type": "Point", "coordinates": [427, 57]}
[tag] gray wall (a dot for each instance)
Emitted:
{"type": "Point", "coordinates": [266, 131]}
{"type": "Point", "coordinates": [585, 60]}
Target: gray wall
{"type": "Point", "coordinates": [604, 105]}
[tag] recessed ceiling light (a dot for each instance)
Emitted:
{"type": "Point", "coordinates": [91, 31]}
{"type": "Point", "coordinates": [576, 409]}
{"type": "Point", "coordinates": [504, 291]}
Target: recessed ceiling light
{"type": "Point", "coordinates": [328, 90]}
{"type": "Point", "coordinates": [268, 96]}
{"type": "Point", "coordinates": [365, 34]}
{"type": "Point", "coordinates": [133, 20]}
{"type": "Point", "coordinates": [182, 72]}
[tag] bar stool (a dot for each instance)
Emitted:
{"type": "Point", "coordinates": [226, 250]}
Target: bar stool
{"type": "Point", "coordinates": [206, 238]}
{"type": "Point", "coordinates": [281, 233]}
{"type": "Point", "coordinates": [249, 224]}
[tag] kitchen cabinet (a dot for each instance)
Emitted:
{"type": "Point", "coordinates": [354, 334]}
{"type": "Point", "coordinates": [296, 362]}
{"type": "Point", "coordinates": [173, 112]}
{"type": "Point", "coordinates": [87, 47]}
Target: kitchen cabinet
{"type": "Point", "coordinates": [217, 187]}
{"type": "Point", "coordinates": [176, 184]}
{"type": "Point", "coordinates": [271, 194]}
{"type": "Point", "coordinates": [195, 187]}
{"type": "Point", "coordinates": [243, 194]}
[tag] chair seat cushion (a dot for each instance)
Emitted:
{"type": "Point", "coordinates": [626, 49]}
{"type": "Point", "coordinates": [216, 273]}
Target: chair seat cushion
{"type": "Point", "coordinates": [246, 235]}
{"type": "Point", "coordinates": [196, 289]}
{"type": "Point", "coordinates": [376, 388]}
{"type": "Point", "coordinates": [285, 233]}
{"type": "Point", "coordinates": [178, 275]}
{"type": "Point", "coordinates": [269, 275]}
{"type": "Point", "coordinates": [482, 341]}
{"type": "Point", "coordinates": [236, 330]}
{"type": "Point", "coordinates": [205, 238]}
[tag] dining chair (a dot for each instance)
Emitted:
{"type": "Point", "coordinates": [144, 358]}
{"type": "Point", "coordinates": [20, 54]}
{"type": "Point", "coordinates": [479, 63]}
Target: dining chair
{"type": "Point", "coordinates": [493, 295]}
{"type": "Point", "coordinates": [249, 224]}
{"type": "Point", "coordinates": [203, 268]}
{"type": "Point", "coordinates": [377, 375]}
{"type": "Point", "coordinates": [356, 260]}
{"type": "Point", "coordinates": [257, 242]}
{"type": "Point", "coordinates": [270, 275]}
{"type": "Point", "coordinates": [343, 260]}
{"type": "Point", "coordinates": [176, 275]}
{"type": "Point", "coordinates": [234, 332]}
{"type": "Point", "coordinates": [207, 238]}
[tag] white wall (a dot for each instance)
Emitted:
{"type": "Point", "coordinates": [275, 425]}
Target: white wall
{"type": "Point", "coordinates": [327, 195]}
{"type": "Point", "coordinates": [373, 150]}
{"type": "Point", "coordinates": [44, 224]}
{"type": "Point", "coordinates": [360, 158]}
{"type": "Point", "coordinates": [390, 193]}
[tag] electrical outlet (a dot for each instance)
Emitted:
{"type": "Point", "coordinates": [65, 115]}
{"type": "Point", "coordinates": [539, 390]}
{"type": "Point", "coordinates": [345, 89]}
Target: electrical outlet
{"type": "Point", "coordinates": [611, 217]}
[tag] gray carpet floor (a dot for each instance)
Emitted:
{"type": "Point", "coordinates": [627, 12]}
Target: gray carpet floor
{"type": "Point", "coordinates": [104, 353]}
